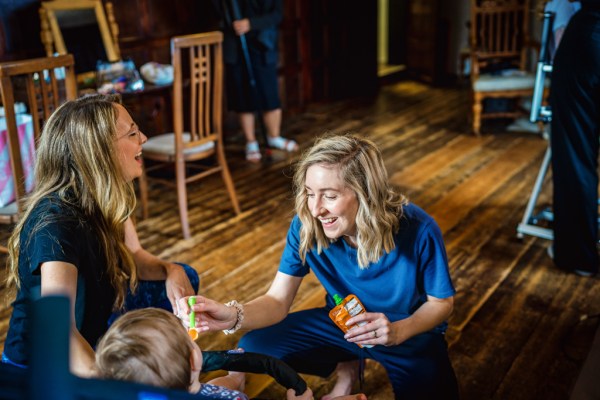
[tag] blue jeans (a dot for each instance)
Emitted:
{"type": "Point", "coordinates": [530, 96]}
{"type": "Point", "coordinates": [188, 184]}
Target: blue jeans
{"type": "Point", "coordinates": [153, 294]}
{"type": "Point", "coordinates": [309, 342]}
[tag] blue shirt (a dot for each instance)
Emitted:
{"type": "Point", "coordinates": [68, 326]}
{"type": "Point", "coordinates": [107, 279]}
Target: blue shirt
{"type": "Point", "coordinates": [397, 284]}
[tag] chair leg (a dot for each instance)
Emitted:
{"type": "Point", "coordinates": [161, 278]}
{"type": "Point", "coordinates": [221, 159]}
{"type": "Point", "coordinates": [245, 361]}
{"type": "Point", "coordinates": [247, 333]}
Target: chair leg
{"type": "Point", "coordinates": [477, 109]}
{"type": "Point", "coordinates": [143, 186]}
{"type": "Point", "coordinates": [182, 198]}
{"type": "Point", "coordinates": [228, 181]}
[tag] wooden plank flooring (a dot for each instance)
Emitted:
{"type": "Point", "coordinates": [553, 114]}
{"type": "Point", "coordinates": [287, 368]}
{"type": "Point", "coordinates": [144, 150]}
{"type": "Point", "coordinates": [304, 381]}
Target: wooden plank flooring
{"type": "Point", "coordinates": [519, 330]}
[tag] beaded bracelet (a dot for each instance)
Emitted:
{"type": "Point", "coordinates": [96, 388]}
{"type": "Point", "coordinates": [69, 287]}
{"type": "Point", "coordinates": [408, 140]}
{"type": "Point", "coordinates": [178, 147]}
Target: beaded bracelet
{"type": "Point", "coordinates": [239, 317]}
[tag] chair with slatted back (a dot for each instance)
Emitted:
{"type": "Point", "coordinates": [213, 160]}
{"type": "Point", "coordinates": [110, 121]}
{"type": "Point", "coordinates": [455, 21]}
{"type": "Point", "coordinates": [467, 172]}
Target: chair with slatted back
{"type": "Point", "coordinates": [195, 149]}
{"type": "Point", "coordinates": [41, 84]}
{"type": "Point", "coordinates": [499, 43]}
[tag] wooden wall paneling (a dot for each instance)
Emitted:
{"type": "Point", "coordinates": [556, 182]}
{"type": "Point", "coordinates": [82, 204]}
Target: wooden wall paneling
{"type": "Point", "coordinates": [20, 23]}
{"type": "Point", "coordinates": [427, 41]}
{"type": "Point", "coordinates": [318, 52]}
{"type": "Point", "coordinates": [353, 48]}
{"type": "Point", "coordinates": [290, 58]}
{"type": "Point", "coordinates": [147, 28]}
{"type": "Point", "coordinates": [397, 30]}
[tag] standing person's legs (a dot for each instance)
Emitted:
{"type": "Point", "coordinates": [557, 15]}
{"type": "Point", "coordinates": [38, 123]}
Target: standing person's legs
{"type": "Point", "coordinates": [270, 104]}
{"type": "Point", "coordinates": [574, 142]}
{"type": "Point", "coordinates": [240, 100]}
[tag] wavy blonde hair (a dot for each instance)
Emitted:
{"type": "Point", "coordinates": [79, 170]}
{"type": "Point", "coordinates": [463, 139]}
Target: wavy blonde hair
{"type": "Point", "coordinates": [362, 170]}
{"type": "Point", "coordinates": [76, 160]}
{"type": "Point", "coordinates": [148, 346]}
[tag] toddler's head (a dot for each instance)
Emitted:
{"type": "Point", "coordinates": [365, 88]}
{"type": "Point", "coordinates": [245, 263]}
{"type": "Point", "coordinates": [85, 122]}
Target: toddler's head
{"type": "Point", "coordinates": [149, 346]}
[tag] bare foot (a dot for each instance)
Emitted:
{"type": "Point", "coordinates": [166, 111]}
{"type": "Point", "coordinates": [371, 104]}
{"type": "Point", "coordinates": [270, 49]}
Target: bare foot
{"type": "Point", "coordinates": [359, 396]}
{"type": "Point", "coordinates": [347, 374]}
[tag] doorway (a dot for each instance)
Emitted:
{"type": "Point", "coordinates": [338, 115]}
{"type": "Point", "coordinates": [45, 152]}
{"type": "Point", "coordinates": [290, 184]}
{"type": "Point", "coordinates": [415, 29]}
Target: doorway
{"type": "Point", "coordinates": [391, 37]}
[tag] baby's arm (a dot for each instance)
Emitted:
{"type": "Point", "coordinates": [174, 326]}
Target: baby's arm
{"type": "Point", "coordinates": [234, 381]}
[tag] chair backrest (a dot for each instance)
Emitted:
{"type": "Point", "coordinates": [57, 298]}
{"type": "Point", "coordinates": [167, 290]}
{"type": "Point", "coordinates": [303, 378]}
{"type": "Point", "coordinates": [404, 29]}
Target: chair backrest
{"type": "Point", "coordinates": [202, 80]}
{"type": "Point", "coordinates": [499, 32]}
{"type": "Point", "coordinates": [34, 82]}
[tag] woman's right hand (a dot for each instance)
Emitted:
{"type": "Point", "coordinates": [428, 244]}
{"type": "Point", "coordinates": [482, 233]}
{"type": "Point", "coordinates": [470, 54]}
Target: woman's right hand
{"type": "Point", "coordinates": [210, 315]}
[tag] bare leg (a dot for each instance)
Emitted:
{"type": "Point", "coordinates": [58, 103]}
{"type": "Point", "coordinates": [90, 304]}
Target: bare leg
{"type": "Point", "coordinates": [247, 124]}
{"type": "Point", "coordinates": [359, 396]}
{"type": "Point", "coordinates": [272, 121]}
{"type": "Point", "coordinates": [347, 374]}
{"type": "Point", "coordinates": [252, 149]}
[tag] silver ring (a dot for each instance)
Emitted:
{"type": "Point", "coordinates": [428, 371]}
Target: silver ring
{"type": "Point", "coordinates": [375, 333]}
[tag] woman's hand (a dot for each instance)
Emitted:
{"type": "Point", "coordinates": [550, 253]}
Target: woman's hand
{"type": "Point", "coordinates": [210, 315]}
{"type": "Point", "coordinates": [375, 328]}
{"type": "Point", "coordinates": [241, 26]}
{"type": "Point", "coordinates": [177, 284]}
{"type": "Point", "coordinates": [307, 395]}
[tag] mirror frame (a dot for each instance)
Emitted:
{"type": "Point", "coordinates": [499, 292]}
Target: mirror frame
{"type": "Point", "coordinates": [49, 9]}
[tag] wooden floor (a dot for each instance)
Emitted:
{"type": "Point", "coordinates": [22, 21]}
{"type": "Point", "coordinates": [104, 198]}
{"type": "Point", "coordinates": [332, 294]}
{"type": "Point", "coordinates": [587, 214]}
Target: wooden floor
{"type": "Point", "coordinates": [520, 330]}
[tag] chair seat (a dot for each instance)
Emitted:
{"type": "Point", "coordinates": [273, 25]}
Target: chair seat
{"type": "Point", "coordinates": [9, 209]}
{"type": "Point", "coordinates": [496, 83]}
{"type": "Point", "coordinates": [165, 144]}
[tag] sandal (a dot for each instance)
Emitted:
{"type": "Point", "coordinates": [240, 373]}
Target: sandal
{"type": "Point", "coordinates": [253, 152]}
{"type": "Point", "coordinates": [282, 143]}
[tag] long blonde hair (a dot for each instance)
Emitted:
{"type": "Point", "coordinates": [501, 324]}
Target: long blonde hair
{"type": "Point", "coordinates": [362, 170]}
{"type": "Point", "coordinates": [148, 346]}
{"type": "Point", "coordinates": [76, 161]}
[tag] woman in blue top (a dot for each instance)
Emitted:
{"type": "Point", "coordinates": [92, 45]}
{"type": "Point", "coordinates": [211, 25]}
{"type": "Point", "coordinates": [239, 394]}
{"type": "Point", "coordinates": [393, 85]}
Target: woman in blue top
{"type": "Point", "coordinates": [359, 236]}
{"type": "Point", "coordinates": [75, 236]}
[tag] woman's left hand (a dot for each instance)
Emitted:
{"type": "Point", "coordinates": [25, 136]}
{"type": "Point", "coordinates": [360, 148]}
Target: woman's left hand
{"type": "Point", "coordinates": [375, 328]}
{"type": "Point", "coordinates": [177, 284]}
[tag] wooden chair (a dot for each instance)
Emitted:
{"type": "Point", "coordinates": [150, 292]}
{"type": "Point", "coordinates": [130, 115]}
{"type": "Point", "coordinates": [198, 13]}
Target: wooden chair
{"type": "Point", "coordinates": [200, 84]}
{"type": "Point", "coordinates": [35, 82]}
{"type": "Point", "coordinates": [499, 40]}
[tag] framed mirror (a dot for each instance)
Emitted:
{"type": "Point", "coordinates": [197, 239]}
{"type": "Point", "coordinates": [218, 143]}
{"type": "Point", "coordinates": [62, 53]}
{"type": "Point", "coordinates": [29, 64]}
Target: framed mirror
{"type": "Point", "coordinates": [80, 27]}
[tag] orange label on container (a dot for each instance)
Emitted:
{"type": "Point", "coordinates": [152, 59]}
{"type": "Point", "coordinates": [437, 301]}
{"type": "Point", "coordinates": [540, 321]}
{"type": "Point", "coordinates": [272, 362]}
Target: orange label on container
{"type": "Point", "coordinates": [348, 308]}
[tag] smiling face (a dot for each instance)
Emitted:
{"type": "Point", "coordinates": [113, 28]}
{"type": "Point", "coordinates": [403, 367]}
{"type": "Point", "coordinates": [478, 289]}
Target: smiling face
{"type": "Point", "coordinates": [331, 202]}
{"type": "Point", "coordinates": [129, 145]}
